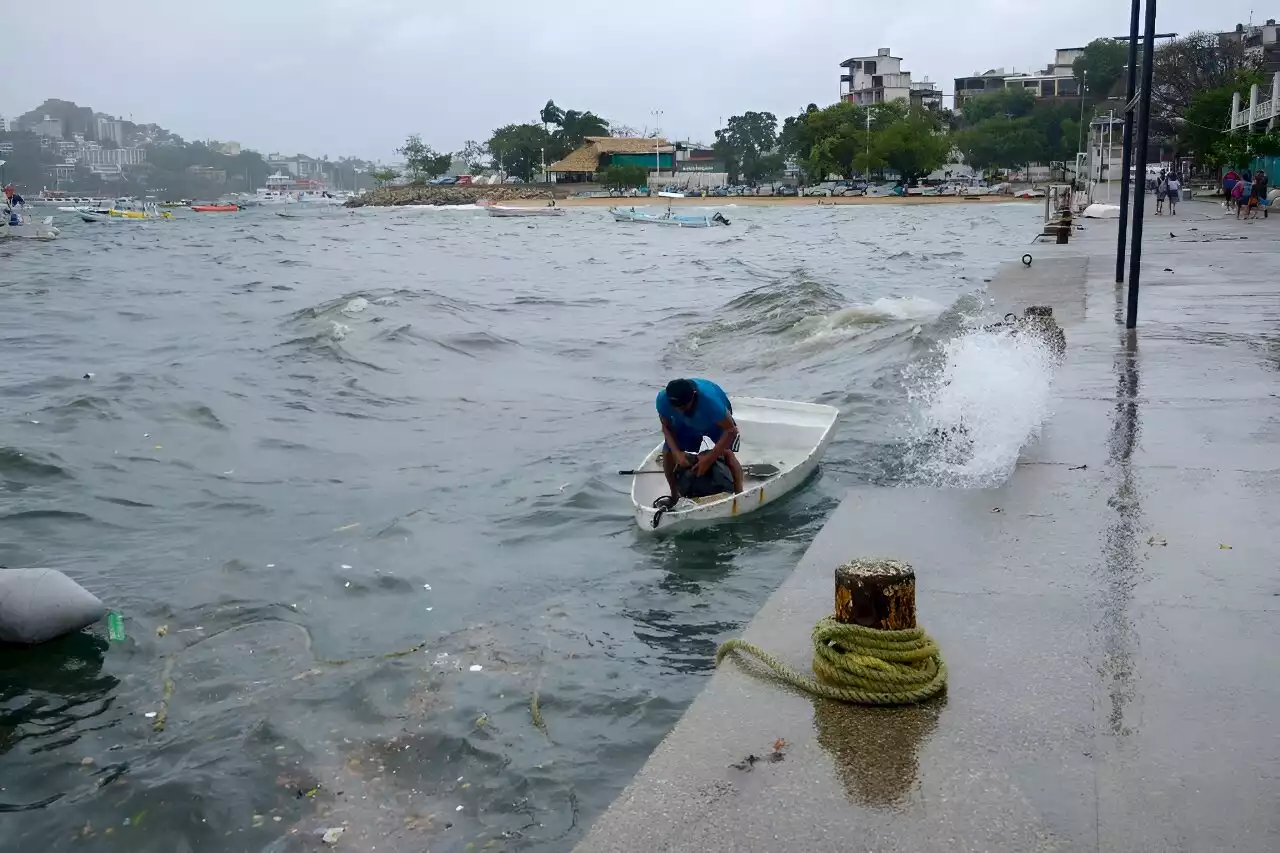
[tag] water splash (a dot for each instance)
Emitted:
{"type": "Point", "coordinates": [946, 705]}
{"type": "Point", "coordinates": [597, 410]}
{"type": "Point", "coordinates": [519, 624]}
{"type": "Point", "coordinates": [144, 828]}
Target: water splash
{"type": "Point", "coordinates": [976, 406]}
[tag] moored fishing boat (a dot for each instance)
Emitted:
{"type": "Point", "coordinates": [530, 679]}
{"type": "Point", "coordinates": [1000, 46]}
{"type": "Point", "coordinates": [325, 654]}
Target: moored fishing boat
{"type": "Point", "coordinates": [215, 208]}
{"type": "Point", "coordinates": [669, 219]}
{"type": "Point", "coordinates": [781, 440]}
{"type": "Point", "coordinates": [506, 210]}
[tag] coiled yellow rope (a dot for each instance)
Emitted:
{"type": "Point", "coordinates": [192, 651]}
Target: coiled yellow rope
{"type": "Point", "coordinates": [865, 666]}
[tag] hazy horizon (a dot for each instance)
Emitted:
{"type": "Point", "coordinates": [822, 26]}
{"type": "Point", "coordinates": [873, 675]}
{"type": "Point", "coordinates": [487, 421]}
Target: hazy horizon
{"type": "Point", "coordinates": [341, 77]}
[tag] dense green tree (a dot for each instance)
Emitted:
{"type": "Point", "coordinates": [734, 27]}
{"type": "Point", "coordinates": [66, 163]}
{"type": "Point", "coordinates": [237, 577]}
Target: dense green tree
{"type": "Point", "coordinates": [912, 145]}
{"type": "Point", "coordinates": [1000, 143]}
{"type": "Point", "coordinates": [620, 177]}
{"type": "Point", "coordinates": [385, 175]}
{"type": "Point", "coordinates": [1100, 69]}
{"type": "Point", "coordinates": [574, 129]}
{"type": "Point", "coordinates": [476, 156]}
{"type": "Point", "coordinates": [1009, 102]}
{"type": "Point", "coordinates": [747, 143]}
{"type": "Point", "coordinates": [518, 149]}
{"type": "Point", "coordinates": [1205, 120]}
{"type": "Point", "coordinates": [422, 160]}
{"type": "Point", "coordinates": [1185, 67]}
{"type": "Point", "coordinates": [1238, 150]}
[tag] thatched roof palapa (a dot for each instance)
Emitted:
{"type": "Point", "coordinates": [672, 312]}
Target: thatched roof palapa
{"type": "Point", "coordinates": [587, 158]}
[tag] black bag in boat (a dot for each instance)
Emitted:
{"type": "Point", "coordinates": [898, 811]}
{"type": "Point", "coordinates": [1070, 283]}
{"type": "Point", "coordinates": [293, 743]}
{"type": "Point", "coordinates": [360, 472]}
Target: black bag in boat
{"type": "Point", "coordinates": [718, 479]}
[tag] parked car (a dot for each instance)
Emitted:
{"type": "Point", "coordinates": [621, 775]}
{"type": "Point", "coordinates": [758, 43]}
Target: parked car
{"type": "Point", "coordinates": [786, 191]}
{"type": "Point", "coordinates": [444, 181]}
{"type": "Point", "coordinates": [463, 179]}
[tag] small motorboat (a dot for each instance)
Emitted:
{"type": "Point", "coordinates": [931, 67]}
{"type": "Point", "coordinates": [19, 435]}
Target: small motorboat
{"type": "Point", "coordinates": [507, 210]}
{"type": "Point", "coordinates": [215, 208]}
{"type": "Point", "coordinates": [782, 442]}
{"type": "Point", "coordinates": [95, 216]}
{"type": "Point", "coordinates": [669, 219]}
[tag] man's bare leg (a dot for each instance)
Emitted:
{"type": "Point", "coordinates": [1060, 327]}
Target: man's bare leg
{"type": "Point", "coordinates": [735, 468]}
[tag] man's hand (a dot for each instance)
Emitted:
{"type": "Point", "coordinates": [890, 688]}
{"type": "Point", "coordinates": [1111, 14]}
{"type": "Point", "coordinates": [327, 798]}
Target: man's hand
{"type": "Point", "coordinates": [705, 461]}
{"type": "Point", "coordinates": [680, 459]}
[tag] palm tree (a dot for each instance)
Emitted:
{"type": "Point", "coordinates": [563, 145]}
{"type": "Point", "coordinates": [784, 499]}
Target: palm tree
{"type": "Point", "coordinates": [575, 127]}
{"type": "Point", "coordinates": [551, 114]}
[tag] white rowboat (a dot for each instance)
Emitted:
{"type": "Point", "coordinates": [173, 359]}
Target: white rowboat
{"type": "Point", "coordinates": [502, 210]}
{"type": "Point", "coordinates": [789, 435]}
{"type": "Point", "coordinates": [44, 230]}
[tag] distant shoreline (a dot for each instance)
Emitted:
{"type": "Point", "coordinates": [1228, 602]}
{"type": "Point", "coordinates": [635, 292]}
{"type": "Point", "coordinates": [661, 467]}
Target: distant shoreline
{"type": "Point", "coordinates": [526, 195]}
{"type": "Point", "coordinates": [761, 200]}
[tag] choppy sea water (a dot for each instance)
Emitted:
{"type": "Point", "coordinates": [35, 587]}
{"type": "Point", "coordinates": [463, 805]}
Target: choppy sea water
{"type": "Point", "coordinates": [310, 445]}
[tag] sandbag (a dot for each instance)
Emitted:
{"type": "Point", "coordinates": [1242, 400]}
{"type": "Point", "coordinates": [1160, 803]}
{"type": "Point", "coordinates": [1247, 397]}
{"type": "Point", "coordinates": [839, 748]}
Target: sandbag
{"type": "Point", "coordinates": [37, 605]}
{"type": "Point", "coordinates": [719, 479]}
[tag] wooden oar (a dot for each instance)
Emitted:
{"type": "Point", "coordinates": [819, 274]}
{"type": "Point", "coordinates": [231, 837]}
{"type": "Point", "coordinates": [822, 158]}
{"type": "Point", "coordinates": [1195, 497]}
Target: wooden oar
{"type": "Point", "coordinates": [758, 471]}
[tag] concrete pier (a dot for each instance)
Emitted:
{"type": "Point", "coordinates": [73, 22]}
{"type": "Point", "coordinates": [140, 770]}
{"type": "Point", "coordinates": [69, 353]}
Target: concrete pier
{"type": "Point", "coordinates": [1109, 615]}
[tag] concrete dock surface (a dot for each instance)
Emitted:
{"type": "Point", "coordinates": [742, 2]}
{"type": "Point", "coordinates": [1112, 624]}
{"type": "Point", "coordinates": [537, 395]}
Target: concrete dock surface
{"type": "Point", "coordinates": [1109, 615]}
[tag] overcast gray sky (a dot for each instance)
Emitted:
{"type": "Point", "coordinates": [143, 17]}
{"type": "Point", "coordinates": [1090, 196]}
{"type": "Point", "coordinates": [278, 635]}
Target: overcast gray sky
{"type": "Point", "coordinates": [355, 77]}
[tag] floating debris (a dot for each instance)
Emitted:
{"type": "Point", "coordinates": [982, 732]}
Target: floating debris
{"type": "Point", "coordinates": [1222, 546]}
{"type": "Point", "coordinates": [475, 667]}
{"type": "Point", "coordinates": [331, 836]}
{"type": "Point", "coordinates": [163, 630]}
{"type": "Point", "coordinates": [1157, 541]}
{"type": "Point", "coordinates": [115, 627]}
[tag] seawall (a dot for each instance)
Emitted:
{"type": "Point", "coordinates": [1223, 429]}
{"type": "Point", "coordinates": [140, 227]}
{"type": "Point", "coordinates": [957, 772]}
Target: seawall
{"type": "Point", "coordinates": [1108, 614]}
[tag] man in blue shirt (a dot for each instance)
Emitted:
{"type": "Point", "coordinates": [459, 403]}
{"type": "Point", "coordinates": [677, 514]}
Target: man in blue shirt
{"type": "Point", "coordinates": [689, 410]}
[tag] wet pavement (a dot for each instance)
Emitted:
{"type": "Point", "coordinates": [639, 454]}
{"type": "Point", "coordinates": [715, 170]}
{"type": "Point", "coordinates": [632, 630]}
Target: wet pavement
{"type": "Point", "coordinates": [1108, 615]}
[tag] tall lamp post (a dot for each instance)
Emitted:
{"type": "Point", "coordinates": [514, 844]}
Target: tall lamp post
{"type": "Point", "coordinates": [1144, 138]}
{"type": "Point", "coordinates": [1126, 161]}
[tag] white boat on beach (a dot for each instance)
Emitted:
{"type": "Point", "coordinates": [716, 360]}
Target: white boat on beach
{"type": "Point", "coordinates": [789, 436]}
{"type": "Point", "coordinates": [506, 210]}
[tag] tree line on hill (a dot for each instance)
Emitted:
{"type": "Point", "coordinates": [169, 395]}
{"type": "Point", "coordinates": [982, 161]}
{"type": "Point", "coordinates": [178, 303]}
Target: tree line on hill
{"type": "Point", "coordinates": [165, 171]}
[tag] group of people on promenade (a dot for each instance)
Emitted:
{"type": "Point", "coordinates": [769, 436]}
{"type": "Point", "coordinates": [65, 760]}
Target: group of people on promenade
{"type": "Point", "coordinates": [1246, 193]}
{"type": "Point", "coordinates": [1168, 185]}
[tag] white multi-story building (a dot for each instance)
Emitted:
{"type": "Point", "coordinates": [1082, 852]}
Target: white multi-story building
{"type": "Point", "coordinates": [111, 130]}
{"type": "Point", "coordinates": [8, 125]}
{"type": "Point", "coordinates": [880, 78]}
{"type": "Point", "coordinates": [298, 165]}
{"type": "Point", "coordinates": [112, 156]}
{"type": "Point", "coordinates": [875, 79]}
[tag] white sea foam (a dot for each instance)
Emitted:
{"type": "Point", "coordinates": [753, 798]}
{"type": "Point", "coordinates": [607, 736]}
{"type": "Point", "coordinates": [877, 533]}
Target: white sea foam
{"type": "Point", "coordinates": [978, 406]}
{"type": "Point", "coordinates": [355, 306]}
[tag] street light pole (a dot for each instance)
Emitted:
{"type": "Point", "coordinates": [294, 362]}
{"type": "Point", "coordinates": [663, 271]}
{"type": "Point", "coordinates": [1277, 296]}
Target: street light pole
{"type": "Point", "coordinates": [1144, 138]}
{"type": "Point", "coordinates": [1126, 160]}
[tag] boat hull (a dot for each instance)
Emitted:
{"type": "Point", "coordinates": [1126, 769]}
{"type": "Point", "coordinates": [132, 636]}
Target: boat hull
{"type": "Point", "coordinates": [28, 231]}
{"type": "Point", "coordinates": [668, 221]}
{"type": "Point", "coordinates": [790, 435]}
{"type": "Point", "coordinates": [501, 211]}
